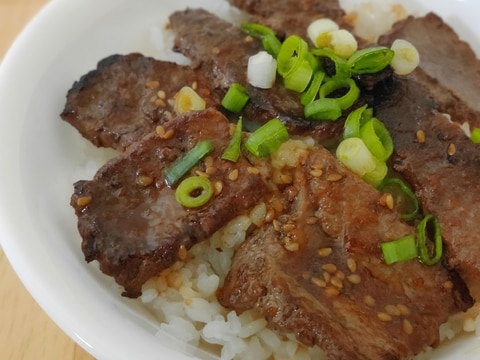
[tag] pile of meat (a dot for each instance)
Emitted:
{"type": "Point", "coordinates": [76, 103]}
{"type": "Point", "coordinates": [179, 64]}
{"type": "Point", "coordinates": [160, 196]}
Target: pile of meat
{"type": "Point", "coordinates": [332, 287]}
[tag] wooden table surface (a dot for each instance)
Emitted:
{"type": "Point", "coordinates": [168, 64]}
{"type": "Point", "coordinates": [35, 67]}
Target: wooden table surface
{"type": "Point", "coordinates": [26, 332]}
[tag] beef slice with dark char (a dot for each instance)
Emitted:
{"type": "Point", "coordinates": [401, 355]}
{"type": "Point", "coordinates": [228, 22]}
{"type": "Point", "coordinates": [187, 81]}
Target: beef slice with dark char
{"type": "Point", "coordinates": [133, 225]}
{"type": "Point", "coordinates": [442, 170]}
{"type": "Point", "coordinates": [117, 103]}
{"type": "Point", "coordinates": [451, 68]}
{"type": "Point", "coordinates": [222, 50]}
{"type": "Point", "coordinates": [335, 290]}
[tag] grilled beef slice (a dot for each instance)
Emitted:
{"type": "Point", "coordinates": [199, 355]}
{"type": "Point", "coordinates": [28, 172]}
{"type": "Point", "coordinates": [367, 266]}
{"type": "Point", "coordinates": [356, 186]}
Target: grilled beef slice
{"type": "Point", "coordinates": [291, 16]}
{"type": "Point", "coordinates": [130, 221]}
{"type": "Point", "coordinates": [118, 103]}
{"type": "Point", "coordinates": [448, 63]}
{"type": "Point", "coordinates": [334, 290]}
{"type": "Point", "coordinates": [437, 97]}
{"type": "Point", "coordinates": [222, 50]}
{"type": "Point", "coordinates": [443, 169]}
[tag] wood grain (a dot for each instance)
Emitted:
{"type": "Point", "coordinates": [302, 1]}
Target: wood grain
{"type": "Point", "coordinates": [26, 332]}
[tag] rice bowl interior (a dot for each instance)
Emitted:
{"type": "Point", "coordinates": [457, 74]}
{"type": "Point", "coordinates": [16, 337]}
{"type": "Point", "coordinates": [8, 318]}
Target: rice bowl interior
{"type": "Point", "coordinates": [178, 310]}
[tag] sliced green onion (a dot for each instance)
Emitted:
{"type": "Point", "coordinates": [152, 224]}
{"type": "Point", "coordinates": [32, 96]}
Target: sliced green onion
{"type": "Point", "coordinates": [355, 120]}
{"type": "Point", "coordinates": [475, 135]}
{"type": "Point", "coordinates": [319, 31]}
{"type": "Point", "coordinates": [323, 109]}
{"type": "Point", "coordinates": [406, 58]}
{"type": "Point", "coordinates": [376, 176]}
{"type": "Point", "coordinates": [256, 30]}
{"type": "Point", "coordinates": [343, 43]}
{"type": "Point", "coordinates": [406, 193]}
{"type": "Point", "coordinates": [267, 138]}
{"type": "Point", "coordinates": [341, 69]}
{"type": "Point", "coordinates": [377, 138]}
{"type": "Point", "coordinates": [262, 70]}
{"type": "Point", "coordinates": [370, 60]}
{"type": "Point", "coordinates": [194, 191]}
{"type": "Point", "coordinates": [232, 152]}
{"type": "Point", "coordinates": [182, 165]}
{"type": "Point", "coordinates": [422, 241]}
{"type": "Point", "coordinates": [313, 89]}
{"type": "Point", "coordinates": [354, 154]}
{"type": "Point", "coordinates": [346, 100]}
{"type": "Point", "coordinates": [401, 249]}
{"type": "Point", "coordinates": [291, 55]}
{"type": "Point", "coordinates": [236, 98]}
{"type": "Point", "coordinates": [299, 80]}
{"type": "Point", "coordinates": [270, 42]}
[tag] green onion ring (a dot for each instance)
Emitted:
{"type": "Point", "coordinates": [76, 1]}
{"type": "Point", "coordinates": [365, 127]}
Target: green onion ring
{"type": "Point", "coordinates": [475, 136]}
{"type": "Point", "coordinates": [346, 100]}
{"type": "Point", "coordinates": [313, 89]}
{"type": "Point", "coordinates": [341, 69]}
{"type": "Point", "coordinates": [291, 55]}
{"type": "Point", "coordinates": [194, 191]}
{"type": "Point", "coordinates": [182, 165]}
{"type": "Point", "coordinates": [370, 60]}
{"type": "Point", "coordinates": [232, 152]}
{"type": "Point", "coordinates": [270, 42]}
{"type": "Point", "coordinates": [256, 30]}
{"type": "Point", "coordinates": [236, 98]}
{"type": "Point", "coordinates": [422, 240]}
{"type": "Point", "coordinates": [267, 138]}
{"type": "Point", "coordinates": [401, 249]}
{"type": "Point", "coordinates": [376, 176]}
{"type": "Point", "coordinates": [408, 193]}
{"type": "Point", "coordinates": [377, 138]}
{"type": "Point", "coordinates": [323, 109]}
{"type": "Point", "coordinates": [299, 80]}
{"type": "Point", "coordinates": [355, 120]}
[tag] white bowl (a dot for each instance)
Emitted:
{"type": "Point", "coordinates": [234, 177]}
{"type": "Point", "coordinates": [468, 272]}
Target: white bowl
{"type": "Point", "coordinates": [41, 155]}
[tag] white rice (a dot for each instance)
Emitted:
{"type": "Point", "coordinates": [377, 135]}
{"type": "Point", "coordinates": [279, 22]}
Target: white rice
{"type": "Point", "coordinates": [183, 297]}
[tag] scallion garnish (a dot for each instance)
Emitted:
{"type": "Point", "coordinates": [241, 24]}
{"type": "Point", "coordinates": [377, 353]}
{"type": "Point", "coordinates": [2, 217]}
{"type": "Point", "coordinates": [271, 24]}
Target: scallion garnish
{"type": "Point", "coordinates": [475, 136]}
{"type": "Point", "coordinates": [341, 69]}
{"type": "Point", "coordinates": [408, 247]}
{"type": "Point", "coordinates": [406, 58]}
{"type": "Point", "coordinates": [194, 191]}
{"type": "Point", "coordinates": [401, 249]}
{"type": "Point", "coordinates": [346, 100]}
{"type": "Point", "coordinates": [323, 109]}
{"type": "Point", "coordinates": [319, 32]}
{"type": "Point", "coordinates": [376, 176]}
{"type": "Point", "coordinates": [377, 138]}
{"type": "Point", "coordinates": [236, 98]}
{"type": "Point", "coordinates": [262, 70]}
{"type": "Point", "coordinates": [343, 43]}
{"type": "Point", "coordinates": [370, 60]}
{"type": "Point", "coordinates": [355, 120]}
{"type": "Point", "coordinates": [291, 55]}
{"type": "Point", "coordinates": [256, 30]}
{"type": "Point", "coordinates": [183, 164]}
{"type": "Point", "coordinates": [354, 154]}
{"type": "Point", "coordinates": [406, 193]}
{"type": "Point", "coordinates": [313, 89]}
{"type": "Point", "coordinates": [232, 152]}
{"type": "Point", "coordinates": [270, 42]}
{"type": "Point", "coordinates": [267, 138]}
{"type": "Point", "coordinates": [299, 80]}
{"type": "Point", "coordinates": [423, 248]}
